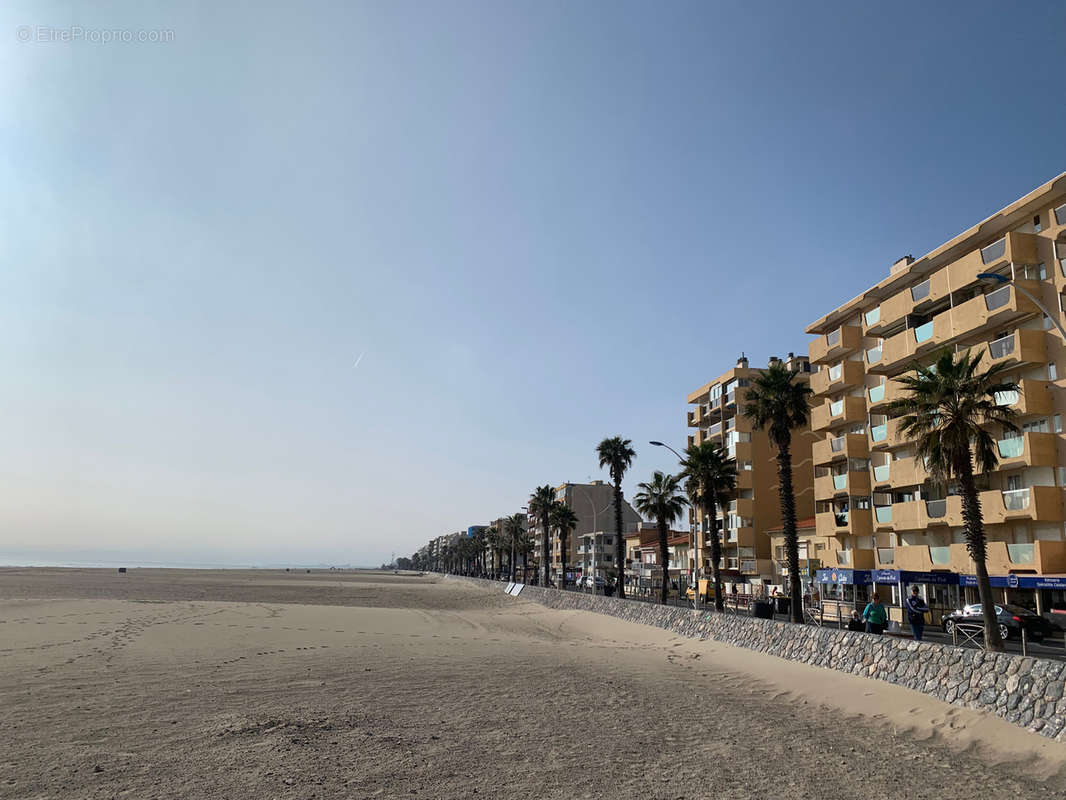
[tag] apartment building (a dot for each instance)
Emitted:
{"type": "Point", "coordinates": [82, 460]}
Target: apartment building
{"type": "Point", "coordinates": [755, 508]}
{"type": "Point", "coordinates": [881, 518]}
{"type": "Point", "coordinates": [593, 503]}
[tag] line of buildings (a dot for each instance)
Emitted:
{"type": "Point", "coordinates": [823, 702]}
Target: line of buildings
{"type": "Point", "coordinates": [869, 515]}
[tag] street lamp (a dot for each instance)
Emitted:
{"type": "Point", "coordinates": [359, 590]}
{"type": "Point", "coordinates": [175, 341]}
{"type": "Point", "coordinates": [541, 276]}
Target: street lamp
{"type": "Point", "coordinates": [1003, 279]}
{"type": "Point", "coordinates": [695, 539]}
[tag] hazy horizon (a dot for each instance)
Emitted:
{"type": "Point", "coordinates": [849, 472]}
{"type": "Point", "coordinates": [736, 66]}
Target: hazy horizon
{"type": "Point", "coordinates": [319, 284]}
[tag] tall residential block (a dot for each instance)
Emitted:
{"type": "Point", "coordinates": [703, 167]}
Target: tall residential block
{"type": "Point", "coordinates": [878, 513]}
{"type": "Point", "coordinates": [755, 509]}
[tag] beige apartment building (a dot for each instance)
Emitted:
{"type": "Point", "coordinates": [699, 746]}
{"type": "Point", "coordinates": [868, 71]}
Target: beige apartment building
{"type": "Point", "coordinates": [593, 503]}
{"type": "Point", "coordinates": [755, 508]}
{"type": "Point", "coordinates": [881, 519]}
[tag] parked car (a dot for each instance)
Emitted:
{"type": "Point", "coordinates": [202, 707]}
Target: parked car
{"type": "Point", "coordinates": [1012, 619]}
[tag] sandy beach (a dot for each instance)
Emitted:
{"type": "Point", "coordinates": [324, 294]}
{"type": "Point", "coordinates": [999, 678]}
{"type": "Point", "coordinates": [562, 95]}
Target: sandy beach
{"type": "Point", "coordinates": [267, 684]}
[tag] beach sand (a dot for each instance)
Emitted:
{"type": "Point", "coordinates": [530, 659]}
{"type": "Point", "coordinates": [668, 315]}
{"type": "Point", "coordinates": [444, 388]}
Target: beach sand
{"type": "Point", "coordinates": [237, 684]}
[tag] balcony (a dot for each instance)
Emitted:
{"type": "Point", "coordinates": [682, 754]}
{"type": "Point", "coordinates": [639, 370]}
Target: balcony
{"type": "Point", "coordinates": [838, 377]}
{"type": "Point", "coordinates": [1020, 248]}
{"type": "Point", "coordinates": [900, 473]}
{"type": "Point", "coordinates": [887, 435]}
{"type": "Point", "coordinates": [1003, 558]}
{"type": "Point", "coordinates": [838, 412]}
{"type": "Point", "coordinates": [1031, 397]}
{"type": "Point", "coordinates": [897, 352]}
{"type": "Point", "coordinates": [836, 344]}
{"type": "Point", "coordinates": [851, 445]}
{"type": "Point", "coordinates": [1024, 346]}
{"type": "Point", "coordinates": [920, 558]}
{"type": "Point", "coordinates": [857, 522]}
{"type": "Point", "coordinates": [1028, 450]}
{"type": "Point", "coordinates": [1037, 503]}
{"type": "Point", "coordinates": [740, 537]}
{"type": "Point", "coordinates": [850, 559]}
{"type": "Point", "coordinates": [995, 309]}
{"type": "Point", "coordinates": [884, 393]}
{"type": "Point", "coordinates": [909, 300]}
{"type": "Point", "coordinates": [827, 486]}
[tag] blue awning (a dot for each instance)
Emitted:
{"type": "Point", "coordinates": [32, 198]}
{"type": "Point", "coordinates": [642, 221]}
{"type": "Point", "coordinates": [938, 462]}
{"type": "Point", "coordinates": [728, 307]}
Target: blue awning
{"type": "Point", "coordinates": [859, 577]}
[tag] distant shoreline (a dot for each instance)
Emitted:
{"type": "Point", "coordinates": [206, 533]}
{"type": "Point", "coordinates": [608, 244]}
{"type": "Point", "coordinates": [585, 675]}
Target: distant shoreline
{"type": "Point", "coordinates": [30, 563]}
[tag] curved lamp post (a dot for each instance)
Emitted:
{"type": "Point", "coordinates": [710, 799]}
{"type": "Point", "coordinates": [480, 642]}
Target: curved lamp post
{"type": "Point", "coordinates": [695, 538]}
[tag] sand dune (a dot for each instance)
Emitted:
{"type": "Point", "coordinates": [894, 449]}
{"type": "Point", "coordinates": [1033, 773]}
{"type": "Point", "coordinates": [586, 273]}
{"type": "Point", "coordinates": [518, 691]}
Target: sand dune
{"type": "Point", "coordinates": [274, 685]}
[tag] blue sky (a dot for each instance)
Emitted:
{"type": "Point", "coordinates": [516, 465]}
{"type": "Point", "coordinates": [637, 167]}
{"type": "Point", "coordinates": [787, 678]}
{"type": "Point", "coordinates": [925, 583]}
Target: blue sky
{"type": "Point", "coordinates": [539, 223]}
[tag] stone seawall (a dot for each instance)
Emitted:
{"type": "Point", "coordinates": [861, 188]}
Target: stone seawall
{"type": "Point", "coordinates": [1023, 690]}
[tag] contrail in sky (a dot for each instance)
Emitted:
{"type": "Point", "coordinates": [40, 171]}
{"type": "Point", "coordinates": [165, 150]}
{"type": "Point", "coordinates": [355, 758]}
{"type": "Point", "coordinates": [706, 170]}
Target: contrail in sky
{"type": "Point", "coordinates": [356, 364]}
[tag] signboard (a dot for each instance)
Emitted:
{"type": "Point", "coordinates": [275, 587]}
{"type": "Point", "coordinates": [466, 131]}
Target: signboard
{"type": "Point", "coordinates": [516, 589]}
{"type": "Point", "coordinates": [510, 586]}
{"type": "Point", "coordinates": [1018, 581]}
{"type": "Point", "coordinates": [859, 577]}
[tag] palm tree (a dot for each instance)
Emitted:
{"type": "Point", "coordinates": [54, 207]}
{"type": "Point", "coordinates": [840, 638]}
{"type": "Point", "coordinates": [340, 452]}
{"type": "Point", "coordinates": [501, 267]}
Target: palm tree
{"type": "Point", "coordinates": [778, 404]}
{"type": "Point", "coordinates": [714, 474]}
{"type": "Point", "coordinates": [661, 500]}
{"type": "Point", "coordinates": [946, 410]}
{"type": "Point", "coordinates": [564, 520]}
{"type": "Point", "coordinates": [494, 538]}
{"type": "Point", "coordinates": [540, 506]}
{"type": "Point", "coordinates": [616, 454]}
{"type": "Point", "coordinates": [514, 527]}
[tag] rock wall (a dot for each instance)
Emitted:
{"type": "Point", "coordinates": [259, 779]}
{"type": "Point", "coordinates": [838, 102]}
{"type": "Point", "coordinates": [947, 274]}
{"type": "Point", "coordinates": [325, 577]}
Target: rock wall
{"type": "Point", "coordinates": [1023, 690]}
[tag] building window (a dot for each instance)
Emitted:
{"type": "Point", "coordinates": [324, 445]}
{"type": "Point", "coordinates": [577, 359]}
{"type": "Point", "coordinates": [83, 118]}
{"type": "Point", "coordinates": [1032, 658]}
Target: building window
{"type": "Point", "coordinates": [1056, 423]}
{"type": "Point", "coordinates": [1052, 372]}
{"type": "Point", "coordinates": [1036, 224]}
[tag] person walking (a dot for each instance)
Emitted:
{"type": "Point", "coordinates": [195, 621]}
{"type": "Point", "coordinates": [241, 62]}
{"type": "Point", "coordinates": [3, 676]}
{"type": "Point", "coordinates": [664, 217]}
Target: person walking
{"type": "Point", "coordinates": [876, 615]}
{"type": "Point", "coordinates": [916, 611]}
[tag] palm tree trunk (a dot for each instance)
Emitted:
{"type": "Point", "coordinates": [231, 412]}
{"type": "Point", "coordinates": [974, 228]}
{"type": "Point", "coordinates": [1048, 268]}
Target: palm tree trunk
{"type": "Point", "coordinates": [716, 557]}
{"type": "Point", "coordinates": [975, 543]}
{"type": "Point", "coordinates": [544, 550]}
{"type": "Point", "coordinates": [514, 562]}
{"type": "Point", "coordinates": [619, 544]}
{"type": "Point", "coordinates": [562, 560]}
{"type": "Point", "coordinates": [788, 518]}
{"type": "Point", "coordinates": [664, 561]}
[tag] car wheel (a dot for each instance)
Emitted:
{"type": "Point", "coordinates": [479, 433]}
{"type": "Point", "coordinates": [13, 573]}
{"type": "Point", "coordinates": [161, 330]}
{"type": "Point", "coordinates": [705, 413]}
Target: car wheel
{"type": "Point", "coordinates": [949, 626]}
{"type": "Point", "coordinates": [1004, 632]}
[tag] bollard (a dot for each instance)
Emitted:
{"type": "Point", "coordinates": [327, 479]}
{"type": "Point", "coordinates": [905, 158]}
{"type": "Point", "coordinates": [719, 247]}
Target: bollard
{"type": "Point", "coordinates": [1025, 642]}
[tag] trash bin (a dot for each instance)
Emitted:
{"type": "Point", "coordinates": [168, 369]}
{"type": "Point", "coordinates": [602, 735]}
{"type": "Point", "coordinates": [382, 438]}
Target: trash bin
{"type": "Point", "coordinates": [784, 604]}
{"type": "Point", "coordinates": [762, 609]}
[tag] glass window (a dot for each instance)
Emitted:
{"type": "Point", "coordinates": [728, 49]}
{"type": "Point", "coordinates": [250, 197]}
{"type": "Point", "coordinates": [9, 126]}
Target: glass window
{"type": "Point", "coordinates": [1052, 372]}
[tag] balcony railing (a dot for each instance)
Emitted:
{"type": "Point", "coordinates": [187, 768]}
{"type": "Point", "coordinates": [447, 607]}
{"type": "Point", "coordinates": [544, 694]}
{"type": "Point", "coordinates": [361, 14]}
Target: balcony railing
{"type": "Point", "coordinates": [873, 316]}
{"type": "Point", "coordinates": [877, 393]}
{"type": "Point", "coordinates": [714, 429]}
{"type": "Point", "coordinates": [873, 355]}
{"type": "Point", "coordinates": [1011, 448]}
{"type": "Point", "coordinates": [921, 291]}
{"type": "Point", "coordinates": [882, 472]}
{"type": "Point", "coordinates": [836, 371]}
{"type": "Point", "coordinates": [840, 481]}
{"type": "Point", "coordinates": [1021, 553]}
{"type": "Point", "coordinates": [843, 556]}
{"type": "Point", "coordinates": [940, 555]}
{"type": "Point", "coordinates": [1016, 499]}
{"type": "Point", "coordinates": [924, 333]}
{"type": "Point", "coordinates": [883, 513]}
{"type": "Point", "coordinates": [936, 508]}
{"type": "Point", "coordinates": [994, 251]}
{"type": "Point", "coordinates": [879, 433]}
{"type": "Point", "coordinates": [886, 555]}
{"type": "Point", "coordinates": [1000, 348]}
{"type": "Point", "coordinates": [836, 408]}
{"type": "Point", "coordinates": [1060, 214]}
{"type": "Point", "coordinates": [998, 298]}
{"type": "Point", "coordinates": [837, 444]}
{"type": "Point", "coordinates": [747, 566]}
{"type": "Point", "coordinates": [1007, 398]}
{"type": "Point", "coordinates": [832, 339]}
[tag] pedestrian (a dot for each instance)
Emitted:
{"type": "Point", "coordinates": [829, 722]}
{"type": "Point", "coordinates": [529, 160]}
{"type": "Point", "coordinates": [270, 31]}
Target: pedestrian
{"type": "Point", "coordinates": [875, 615]}
{"type": "Point", "coordinates": [916, 611]}
{"type": "Point", "coordinates": [856, 623]}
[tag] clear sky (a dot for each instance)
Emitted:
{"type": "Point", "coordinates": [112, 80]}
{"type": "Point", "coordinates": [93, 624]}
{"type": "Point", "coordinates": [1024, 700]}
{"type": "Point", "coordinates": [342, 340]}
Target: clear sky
{"type": "Point", "coordinates": [532, 224]}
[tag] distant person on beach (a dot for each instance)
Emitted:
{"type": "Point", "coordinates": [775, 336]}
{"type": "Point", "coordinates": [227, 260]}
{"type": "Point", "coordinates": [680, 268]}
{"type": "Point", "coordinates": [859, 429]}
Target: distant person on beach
{"type": "Point", "coordinates": [875, 615]}
{"type": "Point", "coordinates": [916, 611]}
